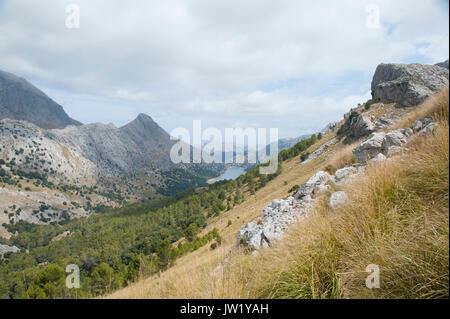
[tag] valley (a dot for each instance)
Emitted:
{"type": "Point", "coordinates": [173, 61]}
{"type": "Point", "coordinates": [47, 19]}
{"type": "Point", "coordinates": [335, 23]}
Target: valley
{"type": "Point", "coordinates": [110, 201]}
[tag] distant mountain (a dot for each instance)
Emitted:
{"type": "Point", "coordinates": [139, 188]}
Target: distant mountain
{"type": "Point", "coordinates": [139, 145]}
{"type": "Point", "coordinates": [20, 100]}
{"type": "Point", "coordinates": [153, 141]}
{"type": "Point", "coordinates": [133, 159]}
{"type": "Point", "coordinates": [283, 143]}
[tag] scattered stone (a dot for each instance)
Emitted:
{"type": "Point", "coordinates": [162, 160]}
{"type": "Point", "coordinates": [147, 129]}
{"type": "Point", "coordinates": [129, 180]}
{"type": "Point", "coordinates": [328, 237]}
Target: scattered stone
{"type": "Point", "coordinates": [379, 158]}
{"type": "Point", "coordinates": [356, 127]}
{"type": "Point", "coordinates": [428, 129]}
{"type": "Point", "coordinates": [319, 151]}
{"type": "Point", "coordinates": [315, 184]}
{"type": "Point", "coordinates": [336, 199]}
{"type": "Point", "coordinates": [396, 138]}
{"type": "Point", "coordinates": [280, 214]}
{"type": "Point", "coordinates": [369, 148]}
{"type": "Point", "coordinates": [343, 173]}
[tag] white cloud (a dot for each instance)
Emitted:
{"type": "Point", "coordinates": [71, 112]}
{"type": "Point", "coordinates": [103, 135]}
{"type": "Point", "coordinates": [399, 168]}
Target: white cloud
{"type": "Point", "coordinates": [220, 60]}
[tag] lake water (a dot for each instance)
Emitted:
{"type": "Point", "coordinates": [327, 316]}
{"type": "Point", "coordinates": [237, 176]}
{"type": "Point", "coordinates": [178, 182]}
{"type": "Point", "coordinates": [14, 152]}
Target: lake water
{"type": "Point", "coordinates": [230, 173]}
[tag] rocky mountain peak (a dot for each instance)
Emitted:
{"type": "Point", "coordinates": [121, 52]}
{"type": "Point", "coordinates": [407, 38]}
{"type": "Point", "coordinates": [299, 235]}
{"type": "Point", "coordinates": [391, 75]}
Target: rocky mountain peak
{"type": "Point", "coordinates": [20, 100]}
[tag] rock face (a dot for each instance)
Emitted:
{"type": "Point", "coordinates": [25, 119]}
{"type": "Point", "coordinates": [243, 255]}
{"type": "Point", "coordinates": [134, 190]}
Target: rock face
{"type": "Point", "coordinates": [152, 141]}
{"type": "Point", "coordinates": [20, 100]}
{"type": "Point", "coordinates": [407, 84]}
{"type": "Point", "coordinates": [32, 150]}
{"type": "Point", "coordinates": [126, 150]}
{"type": "Point", "coordinates": [141, 145]}
{"type": "Point", "coordinates": [6, 249]}
{"type": "Point", "coordinates": [369, 148]}
{"type": "Point", "coordinates": [356, 126]}
{"type": "Point", "coordinates": [381, 145]}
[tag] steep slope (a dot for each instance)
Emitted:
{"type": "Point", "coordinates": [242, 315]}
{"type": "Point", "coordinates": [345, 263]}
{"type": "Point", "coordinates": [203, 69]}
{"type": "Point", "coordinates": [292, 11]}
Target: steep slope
{"type": "Point", "coordinates": [20, 100]}
{"type": "Point", "coordinates": [153, 142]}
{"type": "Point", "coordinates": [390, 198]}
{"type": "Point", "coordinates": [42, 180]}
{"type": "Point", "coordinates": [137, 155]}
{"type": "Point", "coordinates": [306, 263]}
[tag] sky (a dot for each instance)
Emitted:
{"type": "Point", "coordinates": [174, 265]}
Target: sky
{"type": "Point", "coordinates": [292, 65]}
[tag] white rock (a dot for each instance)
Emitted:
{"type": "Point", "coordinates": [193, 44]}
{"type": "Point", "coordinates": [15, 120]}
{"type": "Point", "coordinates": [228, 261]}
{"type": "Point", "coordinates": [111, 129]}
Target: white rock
{"type": "Point", "coordinates": [379, 158]}
{"type": "Point", "coordinates": [428, 129]}
{"type": "Point", "coordinates": [6, 249]}
{"type": "Point", "coordinates": [314, 185]}
{"type": "Point", "coordinates": [421, 123]}
{"type": "Point", "coordinates": [343, 173]}
{"type": "Point", "coordinates": [417, 126]}
{"type": "Point", "coordinates": [369, 148]}
{"type": "Point", "coordinates": [394, 138]}
{"type": "Point", "coordinates": [336, 199]}
{"type": "Point", "coordinates": [395, 150]}
{"type": "Point", "coordinates": [250, 236]}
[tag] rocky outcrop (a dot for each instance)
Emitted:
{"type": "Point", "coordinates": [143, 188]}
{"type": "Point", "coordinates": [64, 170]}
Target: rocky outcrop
{"type": "Point", "coordinates": [380, 146]}
{"type": "Point", "coordinates": [6, 249]}
{"type": "Point", "coordinates": [424, 126]}
{"type": "Point", "coordinates": [317, 183]}
{"type": "Point", "coordinates": [277, 216]}
{"type": "Point", "coordinates": [356, 126]}
{"type": "Point", "coordinates": [342, 174]}
{"type": "Point", "coordinates": [369, 148]}
{"type": "Point", "coordinates": [407, 84]}
{"type": "Point", "coordinates": [20, 100]}
{"type": "Point", "coordinates": [275, 220]}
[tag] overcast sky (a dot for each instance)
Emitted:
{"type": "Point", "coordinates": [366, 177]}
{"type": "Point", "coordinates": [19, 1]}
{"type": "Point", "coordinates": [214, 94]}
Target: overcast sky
{"type": "Point", "coordinates": [296, 65]}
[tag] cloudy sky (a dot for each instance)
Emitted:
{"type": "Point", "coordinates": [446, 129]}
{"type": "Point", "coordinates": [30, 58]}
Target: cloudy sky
{"type": "Point", "coordinates": [296, 65]}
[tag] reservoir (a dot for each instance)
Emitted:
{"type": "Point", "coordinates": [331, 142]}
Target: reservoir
{"type": "Point", "coordinates": [230, 173]}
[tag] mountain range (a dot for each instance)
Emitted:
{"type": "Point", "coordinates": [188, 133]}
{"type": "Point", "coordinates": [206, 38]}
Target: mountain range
{"type": "Point", "coordinates": [333, 187]}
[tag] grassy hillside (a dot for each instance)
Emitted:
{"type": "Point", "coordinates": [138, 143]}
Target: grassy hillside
{"type": "Point", "coordinates": [396, 217]}
{"type": "Point", "coordinates": [118, 246]}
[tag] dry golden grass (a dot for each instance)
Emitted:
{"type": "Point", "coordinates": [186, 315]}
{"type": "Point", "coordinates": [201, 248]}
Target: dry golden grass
{"type": "Point", "coordinates": [434, 107]}
{"type": "Point", "coordinates": [396, 217]}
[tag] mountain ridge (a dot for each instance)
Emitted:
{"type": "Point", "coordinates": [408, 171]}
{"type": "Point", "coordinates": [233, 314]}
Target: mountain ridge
{"type": "Point", "coordinates": [20, 100]}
